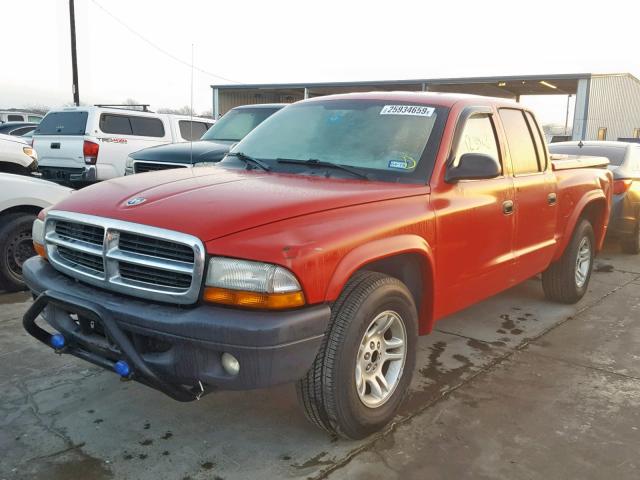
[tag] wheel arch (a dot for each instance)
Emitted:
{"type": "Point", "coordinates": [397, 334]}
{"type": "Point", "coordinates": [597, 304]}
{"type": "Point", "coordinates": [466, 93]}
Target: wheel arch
{"type": "Point", "coordinates": [28, 209]}
{"type": "Point", "coordinates": [594, 208]}
{"type": "Point", "coordinates": [409, 258]}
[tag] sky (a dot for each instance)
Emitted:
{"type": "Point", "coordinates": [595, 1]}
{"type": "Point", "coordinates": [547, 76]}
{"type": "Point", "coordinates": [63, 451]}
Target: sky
{"type": "Point", "coordinates": [142, 49]}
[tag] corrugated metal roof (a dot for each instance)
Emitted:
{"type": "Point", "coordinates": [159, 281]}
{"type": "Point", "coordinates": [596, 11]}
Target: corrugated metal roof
{"type": "Point", "coordinates": [434, 81]}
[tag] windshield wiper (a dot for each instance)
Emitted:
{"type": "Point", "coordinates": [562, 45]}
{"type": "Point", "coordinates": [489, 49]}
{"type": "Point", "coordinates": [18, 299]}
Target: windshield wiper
{"type": "Point", "coordinates": [249, 160]}
{"type": "Point", "coordinates": [313, 162]}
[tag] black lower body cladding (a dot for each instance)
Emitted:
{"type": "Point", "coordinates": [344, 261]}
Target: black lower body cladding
{"type": "Point", "coordinates": [170, 348]}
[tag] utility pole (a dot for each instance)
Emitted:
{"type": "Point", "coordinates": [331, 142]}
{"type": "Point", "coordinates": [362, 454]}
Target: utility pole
{"type": "Point", "coordinates": [566, 117]}
{"type": "Point", "coordinates": [74, 59]}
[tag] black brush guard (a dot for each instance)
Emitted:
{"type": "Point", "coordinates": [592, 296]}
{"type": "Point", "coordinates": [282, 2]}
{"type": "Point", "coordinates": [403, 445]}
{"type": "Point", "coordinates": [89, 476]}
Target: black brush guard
{"type": "Point", "coordinates": [79, 348]}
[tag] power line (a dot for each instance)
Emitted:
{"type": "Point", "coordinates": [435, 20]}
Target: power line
{"type": "Point", "coordinates": [160, 49]}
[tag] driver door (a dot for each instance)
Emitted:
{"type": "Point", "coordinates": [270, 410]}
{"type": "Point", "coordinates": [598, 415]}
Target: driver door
{"type": "Point", "coordinates": [474, 221]}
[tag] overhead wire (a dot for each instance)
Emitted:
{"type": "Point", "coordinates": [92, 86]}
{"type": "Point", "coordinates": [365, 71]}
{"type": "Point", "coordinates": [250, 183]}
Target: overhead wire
{"type": "Point", "coordinates": [160, 49]}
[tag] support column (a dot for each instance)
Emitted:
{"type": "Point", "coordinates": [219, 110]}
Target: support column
{"type": "Point", "coordinates": [306, 93]}
{"type": "Point", "coordinates": [581, 110]}
{"type": "Point", "coordinates": [216, 104]}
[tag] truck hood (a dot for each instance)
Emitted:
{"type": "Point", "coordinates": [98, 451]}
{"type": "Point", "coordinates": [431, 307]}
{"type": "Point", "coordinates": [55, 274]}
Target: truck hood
{"type": "Point", "coordinates": [216, 201]}
{"type": "Point", "coordinates": [203, 151]}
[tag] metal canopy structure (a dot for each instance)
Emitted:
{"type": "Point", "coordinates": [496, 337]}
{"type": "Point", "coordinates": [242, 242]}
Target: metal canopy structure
{"type": "Point", "coordinates": [226, 97]}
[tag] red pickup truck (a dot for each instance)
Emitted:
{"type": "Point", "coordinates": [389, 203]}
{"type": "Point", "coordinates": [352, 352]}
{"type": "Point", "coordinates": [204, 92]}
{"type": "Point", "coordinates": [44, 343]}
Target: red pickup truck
{"type": "Point", "coordinates": [317, 251]}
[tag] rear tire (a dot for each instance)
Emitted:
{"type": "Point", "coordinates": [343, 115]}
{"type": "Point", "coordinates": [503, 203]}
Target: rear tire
{"type": "Point", "coordinates": [356, 340]}
{"type": "Point", "coordinates": [16, 245]}
{"type": "Point", "coordinates": [631, 243]}
{"type": "Point", "coordinates": [567, 279]}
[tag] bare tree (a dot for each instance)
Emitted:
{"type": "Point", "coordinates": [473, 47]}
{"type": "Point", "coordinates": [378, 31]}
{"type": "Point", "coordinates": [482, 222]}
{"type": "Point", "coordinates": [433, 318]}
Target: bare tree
{"type": "Point", "coordinates": [186, 110]}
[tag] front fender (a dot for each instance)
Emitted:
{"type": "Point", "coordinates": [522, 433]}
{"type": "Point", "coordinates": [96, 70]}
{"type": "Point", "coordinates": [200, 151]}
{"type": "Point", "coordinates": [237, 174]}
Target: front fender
{"type": "Point", "coordinates": [359, 257]}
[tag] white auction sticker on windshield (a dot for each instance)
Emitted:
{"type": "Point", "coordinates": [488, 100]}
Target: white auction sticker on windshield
{"type": "Point", "coordinates": [417, 110]}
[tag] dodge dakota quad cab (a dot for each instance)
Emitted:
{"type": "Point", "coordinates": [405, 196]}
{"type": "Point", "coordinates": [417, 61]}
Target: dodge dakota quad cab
{"type": "Point", "coordinates": [317, 251]}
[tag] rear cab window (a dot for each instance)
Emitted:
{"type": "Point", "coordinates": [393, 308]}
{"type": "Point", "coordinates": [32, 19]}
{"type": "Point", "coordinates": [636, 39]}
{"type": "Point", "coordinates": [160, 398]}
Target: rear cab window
{"type": "Point", "coordinates": [63, 123]}
{"type": "Point", "coordinates": [136, 125]}
{"type": "Point", "coordinates": [520, 141]}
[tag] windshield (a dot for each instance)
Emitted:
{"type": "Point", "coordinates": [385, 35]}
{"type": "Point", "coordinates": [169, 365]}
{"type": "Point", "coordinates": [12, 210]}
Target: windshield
{"type": "Point", "coordinates": [63, 123]}
{"type": "Point", "coordinates": [388, 140]}
{"type": "Point", "coordinates": [235, 124]}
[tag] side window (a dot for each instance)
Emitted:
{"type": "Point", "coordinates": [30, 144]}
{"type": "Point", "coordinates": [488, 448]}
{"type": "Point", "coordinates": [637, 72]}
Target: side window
{"type": "Point", "coordinates": [118, 124]}
{"type": "Point", "coordinates": [15, 118]}
{"type": "Point", "coordinates": [147, 126]}
{"type": "Point", "coordinates": [524, 157]}
{"type": "Point", "coordinates": [478, 136]}
{"type": "Point", "coordinates": [35, 118]}
{"type": "Point", "coordinates": [192, 130]}
{"type": "Point", "coordinates": [538, 139]}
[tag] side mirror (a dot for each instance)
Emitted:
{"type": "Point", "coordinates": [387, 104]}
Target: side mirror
{"type": "Point", "coordinates": [473, 166]}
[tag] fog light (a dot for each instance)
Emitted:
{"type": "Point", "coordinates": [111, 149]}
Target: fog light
{"type": "Point", "coordinates": [230, 364]}
{"type": "Point", "coordinates": [122, 368]}
{"type": "Point", "coordinates": [57, 341]}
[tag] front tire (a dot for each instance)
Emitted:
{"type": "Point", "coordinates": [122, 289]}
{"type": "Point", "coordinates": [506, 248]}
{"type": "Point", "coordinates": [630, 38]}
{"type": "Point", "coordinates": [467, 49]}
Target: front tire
{"type": "Point", "coordinates": [567, 279]}
{"type": "Point", "coordinates": [16, 246]}
{"type": "Point", "coordinates": [364, 366]}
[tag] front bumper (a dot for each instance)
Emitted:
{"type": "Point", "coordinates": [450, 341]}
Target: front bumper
{"type": "Point", "coordinates": [85, 174]}
{"type": "Point", "coordinates": [174, 349]}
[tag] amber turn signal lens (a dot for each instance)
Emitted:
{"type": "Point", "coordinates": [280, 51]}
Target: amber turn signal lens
{"type": "Point", "coordinates": [40, 250]}
{"type": "Point", "coordinates": [239, 298]}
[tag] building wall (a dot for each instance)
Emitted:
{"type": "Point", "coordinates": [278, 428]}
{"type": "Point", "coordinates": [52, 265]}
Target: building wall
{"type": "Point", "coordinates": [229, 100]}
{"type": "Point", "coordinates": [613, 103]}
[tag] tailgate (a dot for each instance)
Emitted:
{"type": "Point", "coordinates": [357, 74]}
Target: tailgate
{"type": "Point", "coordinates": [59, 151]}
{"type": "Point", "coordinates": [59, 139]}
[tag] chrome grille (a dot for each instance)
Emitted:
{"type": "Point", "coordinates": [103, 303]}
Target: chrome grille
{"type": "Point", "coordinates": [126, 257]}
{"type": "Point", "coordinates": [131, 242]}
{"type": "Point", "coordinates": [79, 231]}
{"type": "Point", "coordinates": [154, 276]}
{"type": "Point", "coordinates": [81, 259]}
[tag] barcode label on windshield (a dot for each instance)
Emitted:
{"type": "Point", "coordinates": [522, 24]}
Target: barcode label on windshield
{"type": "Point", "coordinates": [417, 110]}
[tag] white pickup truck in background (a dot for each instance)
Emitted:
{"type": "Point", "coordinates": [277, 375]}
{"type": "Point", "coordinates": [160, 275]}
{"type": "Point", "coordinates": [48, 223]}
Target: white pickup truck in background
{"type": "Point", "coordinates": [79, 145]}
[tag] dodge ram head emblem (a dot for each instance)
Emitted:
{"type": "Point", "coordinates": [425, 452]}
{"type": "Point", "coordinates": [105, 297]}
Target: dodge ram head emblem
{"type": "Point", "coordinates": [132, 202]}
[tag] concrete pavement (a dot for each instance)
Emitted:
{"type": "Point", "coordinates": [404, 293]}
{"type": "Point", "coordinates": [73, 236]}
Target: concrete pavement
{"type": "Point", "coordinates": [515, 387]}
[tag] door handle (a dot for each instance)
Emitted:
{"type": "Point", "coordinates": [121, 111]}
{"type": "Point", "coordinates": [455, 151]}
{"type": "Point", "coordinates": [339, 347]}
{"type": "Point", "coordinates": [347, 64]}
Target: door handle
{"type": "Point", "coordinates": [552, 199]}
{"type": "Point", "coordinates": [507, 207]}
{"type": "Point", "coordinates": [55, 145]}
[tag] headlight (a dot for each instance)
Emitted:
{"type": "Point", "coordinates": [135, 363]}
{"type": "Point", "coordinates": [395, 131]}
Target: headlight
{"type": "Point", "coordinates": [29, 151]}
{"type": "Point", "coordinates": [251, 284]}
{"type": "Point", "coordinates": [37, 235]}
{"type": "Point", "coordinates": [128, 166]}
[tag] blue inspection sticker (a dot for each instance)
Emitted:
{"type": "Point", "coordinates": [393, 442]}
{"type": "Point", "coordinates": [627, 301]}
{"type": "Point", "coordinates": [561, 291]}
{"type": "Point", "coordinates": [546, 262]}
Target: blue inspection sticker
{"type": "Point", "coordinates": [407, 164]}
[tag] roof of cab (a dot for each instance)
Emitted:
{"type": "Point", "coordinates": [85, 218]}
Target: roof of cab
{"type": "Point", "coordinates": [427, 98]}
